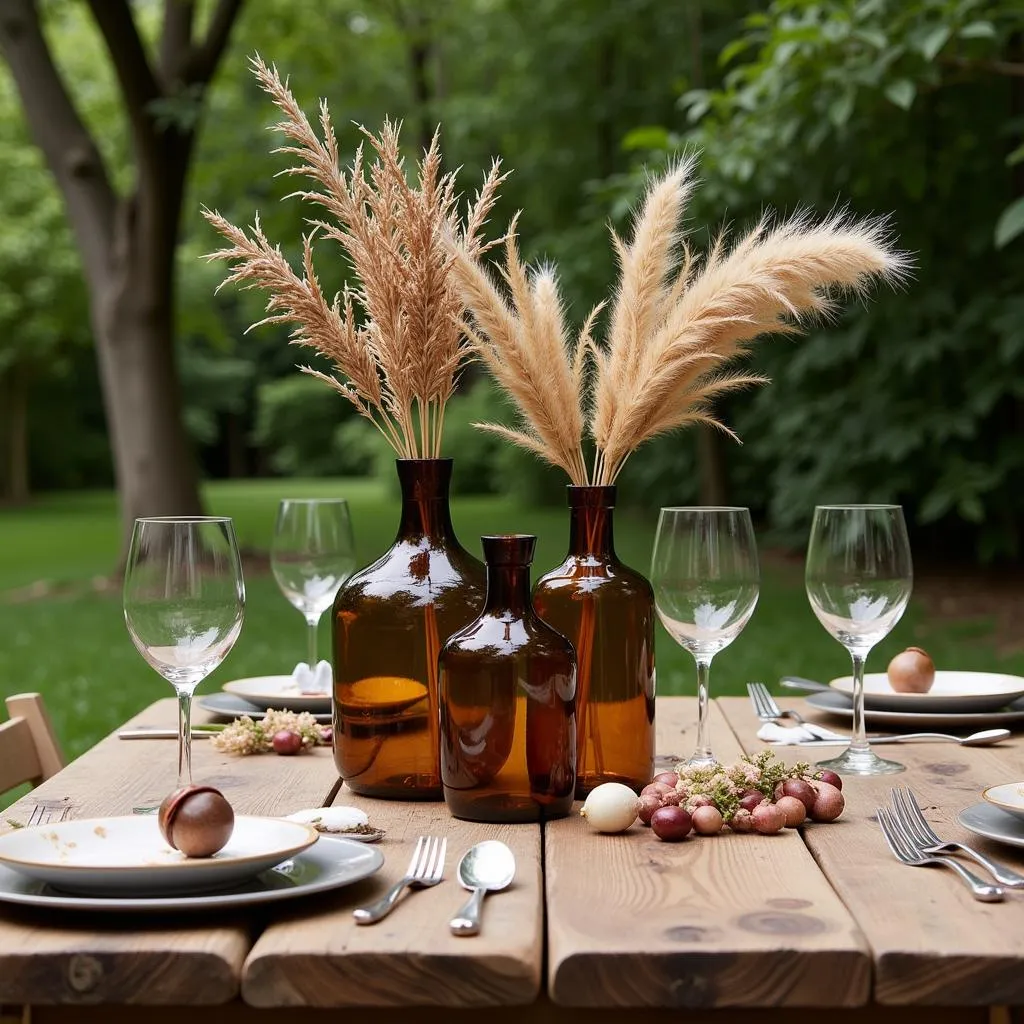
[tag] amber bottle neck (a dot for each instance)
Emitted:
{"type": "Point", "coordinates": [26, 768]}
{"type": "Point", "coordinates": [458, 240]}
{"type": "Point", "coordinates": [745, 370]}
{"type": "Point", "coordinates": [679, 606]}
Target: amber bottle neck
{"type": "Point", "coordinates": [508, 558]}
{"type": "Point", "coordinates": [425, 507]}
{"type": "Point", "coordinates": [590, 521]}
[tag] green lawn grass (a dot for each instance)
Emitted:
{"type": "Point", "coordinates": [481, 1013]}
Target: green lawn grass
{"type": "Point", "coordinates": [72, 646]}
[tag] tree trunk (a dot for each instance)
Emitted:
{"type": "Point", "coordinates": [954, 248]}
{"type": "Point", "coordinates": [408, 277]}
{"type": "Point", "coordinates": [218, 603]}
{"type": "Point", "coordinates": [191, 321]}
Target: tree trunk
{"type": "Point", "coordinates": [14, 482]}
{"type": "Point", "coordinates": [133, 321]}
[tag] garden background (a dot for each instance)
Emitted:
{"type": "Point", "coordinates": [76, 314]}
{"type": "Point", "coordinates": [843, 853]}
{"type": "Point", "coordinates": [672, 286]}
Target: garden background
{"type": "Point", "coordinates": [913, 108]}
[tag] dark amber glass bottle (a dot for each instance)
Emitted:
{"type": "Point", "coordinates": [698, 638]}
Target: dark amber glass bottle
{"type": "Point", "coordinates": [607, 610]}
{"type": "Point", "coordinates": [390, 620]}
{"type": "Point", "coordinates": [508, 688]}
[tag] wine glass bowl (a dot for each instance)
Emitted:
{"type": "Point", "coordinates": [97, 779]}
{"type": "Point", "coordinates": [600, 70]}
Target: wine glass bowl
{"type": "Point", "coordinates": [705, 577]}
{"type": "Point", "coordinates": [184, 600]}
{"type": "Point", "coordinates": [859, 577]}
{"type": "Point", "coordinates": [312, 554]}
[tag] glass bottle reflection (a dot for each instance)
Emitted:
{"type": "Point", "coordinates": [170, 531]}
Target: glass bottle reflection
{"type": "Point", "coordinates": [508, 688]}
{"type": "Point", "coordinates": [390, 620]}
{"type": "Point", "coordinates": [607, 610]}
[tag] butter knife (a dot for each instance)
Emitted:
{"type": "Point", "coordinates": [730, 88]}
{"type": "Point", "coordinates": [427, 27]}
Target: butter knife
{"type": "Point", "coordinates": [159, 732]}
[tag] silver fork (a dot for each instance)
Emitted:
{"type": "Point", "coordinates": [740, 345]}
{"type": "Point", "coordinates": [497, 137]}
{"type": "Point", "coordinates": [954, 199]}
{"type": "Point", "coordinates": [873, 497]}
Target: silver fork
{"type": "Point", "coordinates": [908, 813]}
{"type": "Point", "coordinates": [765, 706]}
{"type": "Point", "coordinates": [907, 852]}
{"type": "Point", "coordinates": [425, 869]}
{"type": "Point", "coordinates": [48, 812]}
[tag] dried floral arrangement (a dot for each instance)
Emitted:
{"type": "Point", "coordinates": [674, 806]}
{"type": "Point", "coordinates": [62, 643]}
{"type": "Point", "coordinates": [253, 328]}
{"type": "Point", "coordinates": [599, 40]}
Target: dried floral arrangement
{"type": "Point", "coordinates": [394, 340]}
{"type": "Point", "coordinates": [676, 323]}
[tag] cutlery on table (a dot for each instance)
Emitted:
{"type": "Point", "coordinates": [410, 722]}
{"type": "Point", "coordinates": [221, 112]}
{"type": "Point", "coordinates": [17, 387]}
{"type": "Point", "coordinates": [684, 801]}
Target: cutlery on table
{"type": "Point", "coordinates": [47, 812]}
{"type": "Point", "coordinates": [804, 685]}
{"type": "Point", "coordinates": [487, 867]}
{"type": "Point", "coordinates": [985, 738]}
{"type": "Point", "coordinates": [908, 813]}
{"type": "Point", "coordinates": [906, 851]}
{"type": "Point", "coordinates": [767, 710]}
{"type": "Point", "coordinates": [425, 869]}
{"type": "Point", "coordinates": [159, 732]}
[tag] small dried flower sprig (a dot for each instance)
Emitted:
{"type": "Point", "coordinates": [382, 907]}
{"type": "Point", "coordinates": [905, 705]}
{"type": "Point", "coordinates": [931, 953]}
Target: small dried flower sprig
{"type": "Point", "coordinates": [394, 340]}
{"type": "Point", "coordinates": [247, 736]}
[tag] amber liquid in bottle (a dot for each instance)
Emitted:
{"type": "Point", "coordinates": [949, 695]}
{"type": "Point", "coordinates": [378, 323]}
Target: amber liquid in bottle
{"type": "Point", "coordinates": [607, 610]}
{"type": "Point", "coordinates": [508, 684]}
{"type": "Point", "coordinates": [390, 620]}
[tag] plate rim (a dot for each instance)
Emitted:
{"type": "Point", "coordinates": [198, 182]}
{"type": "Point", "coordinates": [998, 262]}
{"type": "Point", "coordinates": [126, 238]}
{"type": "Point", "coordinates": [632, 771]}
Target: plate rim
{"type": "Point", "coordinates": [910, 698]}
{"type": "Point", "coordinates": [909, 717]}
{"type": "Point", "coordinates": [196, 901]}
{"type": "Point", "coordinates": [200, 698]}
{"type": "Point", "coordinates": [190, 863]}
{"type": "Point", "coordinates": [1017, 809]}
{"type": "Point", "coordinates": [1017, 841]}
{"type": "Point", "coordinates": [307, 698]}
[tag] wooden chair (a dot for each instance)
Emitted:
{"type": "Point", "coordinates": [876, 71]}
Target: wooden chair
{"type": "Point", "coordinates": [29, 751]}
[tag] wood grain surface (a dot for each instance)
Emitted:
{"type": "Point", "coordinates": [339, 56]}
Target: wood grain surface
{"type": "Point", "coordinates": [932, 943]}
{"type": "Point", "coordinates": [70, 958]}
{"type": "Point", "coordinates": [720, 921]}
{"type": "Point", "coordinates": [320, 957]}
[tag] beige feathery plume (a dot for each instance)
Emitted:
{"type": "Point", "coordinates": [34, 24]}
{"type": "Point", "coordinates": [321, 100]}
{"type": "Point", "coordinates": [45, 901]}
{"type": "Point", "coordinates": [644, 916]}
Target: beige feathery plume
{"type": "Point", "coordinates": [394, 341]}
{"type": "Point", "coordinates": [673, 331]}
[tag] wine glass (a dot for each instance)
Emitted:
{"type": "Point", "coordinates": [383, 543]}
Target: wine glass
{"type": "Point", "coordinates": [312, 554]}
{"type": "Point", "coordinates": [859, 579]}
{"type": "Point", "coordinates": [183, 605]}
{"type": "Point", "coordinates": [705, 578]}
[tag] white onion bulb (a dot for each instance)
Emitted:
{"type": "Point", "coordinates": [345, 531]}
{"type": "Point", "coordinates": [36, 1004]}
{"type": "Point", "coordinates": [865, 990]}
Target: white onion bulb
{"type": "Point", "coordinates": [611, 807]}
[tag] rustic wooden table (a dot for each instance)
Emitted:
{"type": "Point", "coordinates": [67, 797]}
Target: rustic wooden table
{"type": "Point", "coordinates": [596, 927]}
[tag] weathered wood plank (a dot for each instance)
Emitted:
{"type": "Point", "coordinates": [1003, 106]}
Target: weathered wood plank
{"type": "Point", "coordinates": [319, 956]}
{"type": "Point", "coordinates": [63, 958]}
{"type": "Point", "coordinates": [541, 1012]}
{"type": "Point", "coordinates": [731, 920]}
{"type": "Point", "coordinates": [932, 943]}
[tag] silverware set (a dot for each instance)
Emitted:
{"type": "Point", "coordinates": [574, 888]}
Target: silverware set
{"type": "Point", "coordinates": [767, 710]}
{"type": "Point", "coordinates": [913, 841]}
{"type": "Point", "coordinates": [487, 867]}
{"type": "Point", "coordinates": [48, 812]}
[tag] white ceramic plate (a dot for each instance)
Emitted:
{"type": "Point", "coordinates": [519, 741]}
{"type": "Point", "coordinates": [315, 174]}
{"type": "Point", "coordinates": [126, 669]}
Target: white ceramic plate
{"type": "Point", "coordinates": [992, 823]}
{"type": "Point", "coordinates": [128, 856]}
{"type": "Point", "coordinates": [227, 705]}
{"type": "Point", "coordinates": [952, 692]}
{"type": "Point", "coordinates": [279, 692]}
{"type": "Point", "coordinates": [908, 721]}
{"type": "Point", "coordinates": [322, 867]}
{"type": "Point", "coordinates": [1009, 797]}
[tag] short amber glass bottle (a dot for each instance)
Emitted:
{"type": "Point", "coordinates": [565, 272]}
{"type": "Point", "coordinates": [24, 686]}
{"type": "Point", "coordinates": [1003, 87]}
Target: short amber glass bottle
{"type": "Point", "coordinates": [508, 688]}
{"type": "Point", "coordinates": [390, 620]}
{"type": "Point", "coordinates": [607, 610]}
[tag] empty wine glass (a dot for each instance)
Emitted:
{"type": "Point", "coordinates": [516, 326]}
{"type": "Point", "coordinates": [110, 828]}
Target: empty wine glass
{"type": "Point", "coordinates": [705, 578]}
{"type": "Point", "coordinates": [312, 554]}
{"type": "Point", "coordinates": [859, 578]}
{"type": "Point", "coordinates": [183, 604]}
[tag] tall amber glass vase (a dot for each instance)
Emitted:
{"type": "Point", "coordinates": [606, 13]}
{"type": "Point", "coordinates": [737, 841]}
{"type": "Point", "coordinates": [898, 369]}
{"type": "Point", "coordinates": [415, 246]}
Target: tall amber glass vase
{"type": "Point", "coordinates": [390, 620]}
{"type": "Point", "coordinates": [607, 610]}
{"type": "Point", "coordinates": [508, 707]}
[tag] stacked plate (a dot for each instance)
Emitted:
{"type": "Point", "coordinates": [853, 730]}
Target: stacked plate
{"type": "Point", "coordinates": [123, 864]}
{"type": "Point", "coordinates": [257, 694]}
{"type": "Point", "coordinates": [1000, 815]}
{"type": "Point", "coordinates": [957, 700]}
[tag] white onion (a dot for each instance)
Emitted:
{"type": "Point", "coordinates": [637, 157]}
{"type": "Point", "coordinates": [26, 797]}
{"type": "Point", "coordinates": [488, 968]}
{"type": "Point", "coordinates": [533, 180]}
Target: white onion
{"type": "Point", "coordinates": [611, 807]}
{"type": "Point", "coordinates": [331, 819]}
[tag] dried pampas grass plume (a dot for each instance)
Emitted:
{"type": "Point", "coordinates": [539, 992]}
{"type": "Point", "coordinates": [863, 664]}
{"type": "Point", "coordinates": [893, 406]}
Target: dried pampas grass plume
{"type": "Point", "coordinates": [394, 340]}
{"type": "Point", "coordinates": [674, 328]}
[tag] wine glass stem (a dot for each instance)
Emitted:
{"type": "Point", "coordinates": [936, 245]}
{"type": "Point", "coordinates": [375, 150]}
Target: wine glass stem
{"type": "Point", "coordinates": [859, 739]}
{"type": "Point", "coordinates": [703, 726]}
{"type": "Point", "coordinates": [184, 737]}
{"type": "Point", "coordinates": [311, 628]}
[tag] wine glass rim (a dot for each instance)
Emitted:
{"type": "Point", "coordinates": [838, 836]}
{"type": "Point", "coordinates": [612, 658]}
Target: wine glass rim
{"type": "Point", "coordinates": [864, 507]}
{"type": "Point", "coordinates": [314, 501]}
{"type": "Point", "coordinates": [183, 519]}
{"type": "Point", "coordinates": [705, 508]}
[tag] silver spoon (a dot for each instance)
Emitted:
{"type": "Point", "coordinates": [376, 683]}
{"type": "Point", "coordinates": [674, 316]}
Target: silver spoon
{"type": "Point", "coordinates": [985, 738]}
{"type": "Point", "coordinates": [487, 867]}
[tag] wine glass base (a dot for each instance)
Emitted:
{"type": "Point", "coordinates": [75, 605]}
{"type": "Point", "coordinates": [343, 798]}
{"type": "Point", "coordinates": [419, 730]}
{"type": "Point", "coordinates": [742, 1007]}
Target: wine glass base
{"type": "Point", "coordinates": [861, 762]}
{"type": "Point", "coordinates": [701, 759]}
